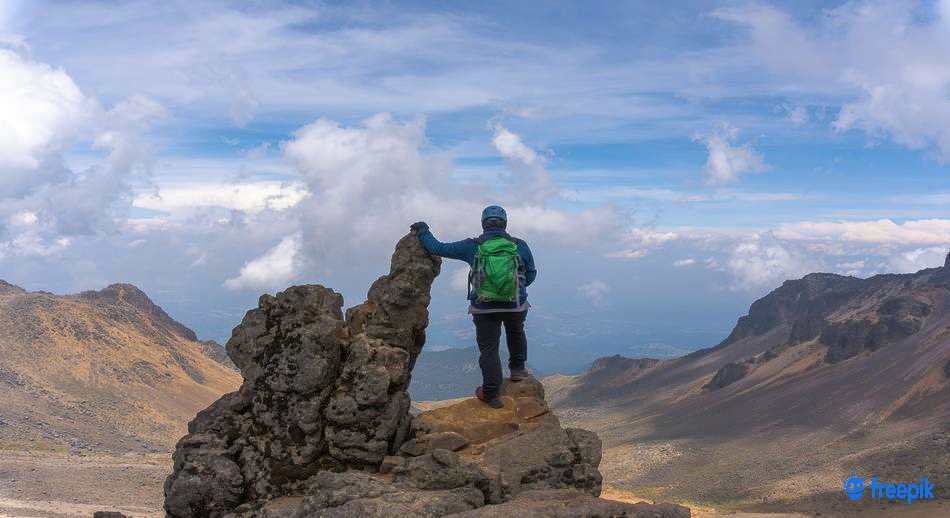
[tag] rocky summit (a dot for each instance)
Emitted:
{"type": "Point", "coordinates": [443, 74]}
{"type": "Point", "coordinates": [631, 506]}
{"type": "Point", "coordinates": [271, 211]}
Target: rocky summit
{"type": "Point", "coordinates": [321, 425]}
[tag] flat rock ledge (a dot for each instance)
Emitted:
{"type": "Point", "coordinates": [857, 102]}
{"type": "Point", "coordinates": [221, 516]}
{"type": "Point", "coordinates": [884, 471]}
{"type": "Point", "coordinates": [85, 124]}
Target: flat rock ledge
{"type": "Point", "coordinates": [321, 425]}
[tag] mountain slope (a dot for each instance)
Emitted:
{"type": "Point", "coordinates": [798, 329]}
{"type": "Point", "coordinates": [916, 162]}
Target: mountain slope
{"type": "Point", "coordinates": [445, 374]}
{"type": "Point", "coordinates": [105, 370]}
{"type": "Point", "coordinates": [825, 374]}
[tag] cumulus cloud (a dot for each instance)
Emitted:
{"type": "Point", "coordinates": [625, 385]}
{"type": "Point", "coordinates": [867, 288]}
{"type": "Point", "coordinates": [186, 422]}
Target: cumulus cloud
{"type": "Point", "coordinates": [684, 262]}
{"type": "Point", "coordinates": [367, 181]}
{"type": "Point", "coordinates": [510, 146]}
{"type": "Point", "coordinates": [913, 232]}
{"type": "Point", "coordinates": [43, 114]}
{"type": "Point", "coordinates": [595, 292]}
{"type": "Point", "coordinates": [273, 270]}
{"type": "Point", "coordinates": [889, 64]}
{"type": "Point", "coordinates": [42, 109]}
{"type": "Point", "coordinates": [627, 254]}
{"type": "Point", "coordinates": [764, 262]}
{"type": "Point", "coordinates": [917, 259]}
{"type": "Point", "coordinates": [727, 160]}
{"type": "Point", "coordinates": [530, 181]}
{"type": "Point", "coordinates": [851, 267]}
{"type": "Point", "coordinates": [639, 242]}
{"type": "Point", "coordinates": [250, 197]}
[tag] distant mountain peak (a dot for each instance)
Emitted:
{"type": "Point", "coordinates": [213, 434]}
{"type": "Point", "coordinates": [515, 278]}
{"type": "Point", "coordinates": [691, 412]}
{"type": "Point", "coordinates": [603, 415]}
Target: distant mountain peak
{"type": "Point", "coordinates": [101, 369]}
{"type": "Point", "coordinates": [121, 292]}
{"type": "Point", "coordinates": [620, 362]}
{"type": "Point", "coordinates": [6, 287]}
{"type": "Point", "coordinates": [133, 296]}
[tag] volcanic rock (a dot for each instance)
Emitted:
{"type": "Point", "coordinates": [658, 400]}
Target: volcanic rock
{"type": "Point", "coordinates": [321, 425]}
{"type": "Point", "coordinates": [727, 375]}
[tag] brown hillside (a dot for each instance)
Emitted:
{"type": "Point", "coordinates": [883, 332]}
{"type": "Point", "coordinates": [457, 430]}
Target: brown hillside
{"type": "Point", "coordinates": [101, 370]}
{"type": "Point", "coordinates": [825, 374]}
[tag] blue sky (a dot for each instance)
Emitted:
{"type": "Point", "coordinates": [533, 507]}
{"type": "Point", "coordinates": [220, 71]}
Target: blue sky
{"type": "Point", "coordinates": [668, 163]}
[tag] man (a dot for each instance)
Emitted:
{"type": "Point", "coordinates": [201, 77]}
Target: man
{"type": "Point", "coordinates": [501, 269]}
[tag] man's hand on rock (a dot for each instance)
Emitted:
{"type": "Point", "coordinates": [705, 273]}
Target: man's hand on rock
{"type": "Point", "coordinates": [419, 226]}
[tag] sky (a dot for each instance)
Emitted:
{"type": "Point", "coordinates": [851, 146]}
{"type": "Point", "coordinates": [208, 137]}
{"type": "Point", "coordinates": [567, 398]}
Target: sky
{"type": "Point", "coordinates": [667, 163]}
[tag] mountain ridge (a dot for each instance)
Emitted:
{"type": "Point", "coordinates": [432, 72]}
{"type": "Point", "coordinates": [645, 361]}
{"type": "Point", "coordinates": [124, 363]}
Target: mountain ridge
{"type": "Point", "coordinates": [100, 370]}
{"type": "Point", "coordinates": [838, 368]}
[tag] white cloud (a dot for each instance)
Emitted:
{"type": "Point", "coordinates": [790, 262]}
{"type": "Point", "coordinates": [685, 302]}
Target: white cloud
{"type": "Point", "coordinates": [914, 232]}
{"type": "Point", "coordinates": [889, 64]}
{"type": "Point", "coordinates": [367, 182]}
{"type": "Point", "coordinates": [530, 183]}
{"type": "Point", "coordinates": [23, 219]}
{"type": "Point", "coordinates": [41, 111]}
{"type": "Point", "coordinates": [250, 197]}
{"type": "Point", "coordinates": [640, 241]}
{"type": "Point", "coordinates": [627, 254]}
{"type": "Point", "coordinates": [122, 129]}
{"type": "Point", "coordinates": [727, 161]}
{"type": "Point", "coordinates": [32, 244]}
{"type": "Point", "coordinates": [509, 145]}
{"type": "Point", "coordinates": [684, 262]}
{"type": "Point", "coordinates": [595, 292]}
{"type": "Point", "coordinates": [917, 259]}
{"type": "Point", "coordinates": [602, 194]}
{"type": "Point", "coordinates": [43, 114]}
{"type": "Point", "coordinates": [764, 262]}
{"type": "Point", "coordinates": [648, 237]}
{"type": "Point", "coordinates": [273, 270]}
{"type": "Point", "coordinates": [854, 268]}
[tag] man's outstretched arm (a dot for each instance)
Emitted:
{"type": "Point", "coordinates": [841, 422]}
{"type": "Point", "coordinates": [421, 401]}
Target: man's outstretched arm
{"type": "Point", "coordinates": [463, 250]}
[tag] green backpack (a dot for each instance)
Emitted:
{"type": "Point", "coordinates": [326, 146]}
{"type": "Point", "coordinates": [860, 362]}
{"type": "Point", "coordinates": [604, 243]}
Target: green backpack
{"type": "Point", "coordinates": [494, 276]}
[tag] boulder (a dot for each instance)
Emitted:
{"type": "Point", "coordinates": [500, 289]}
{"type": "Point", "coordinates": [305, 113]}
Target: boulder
{"type": "Point", "coordinates": [427, 442]}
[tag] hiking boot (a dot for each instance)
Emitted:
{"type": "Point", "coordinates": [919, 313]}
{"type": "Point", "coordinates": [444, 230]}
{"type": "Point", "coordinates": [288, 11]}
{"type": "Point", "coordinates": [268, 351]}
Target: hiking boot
{"type": "Point", "coordinates": [519, 374]}
{"type": "Point", "coordinates": [493, 402]}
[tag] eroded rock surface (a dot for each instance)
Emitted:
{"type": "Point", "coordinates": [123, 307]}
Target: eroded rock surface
{"type": "Point", "coordinates": [321, 425]}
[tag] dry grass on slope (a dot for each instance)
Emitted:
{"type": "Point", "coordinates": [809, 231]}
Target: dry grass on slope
{"type": "Point", "coordinates": [100, 372]}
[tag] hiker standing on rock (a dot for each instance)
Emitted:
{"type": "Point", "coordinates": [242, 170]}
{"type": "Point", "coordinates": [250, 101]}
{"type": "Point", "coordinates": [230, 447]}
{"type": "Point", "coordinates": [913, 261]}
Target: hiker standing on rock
{"type": "Point", "coordinates": [501, 269]}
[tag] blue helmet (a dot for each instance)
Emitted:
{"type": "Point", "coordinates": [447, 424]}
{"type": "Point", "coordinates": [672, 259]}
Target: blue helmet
{"type": "Point", "coordinates": [494, 211]}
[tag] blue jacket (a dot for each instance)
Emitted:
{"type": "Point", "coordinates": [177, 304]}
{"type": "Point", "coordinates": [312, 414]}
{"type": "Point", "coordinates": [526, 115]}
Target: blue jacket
{"type": "Point", "coordinates": [464, 250]}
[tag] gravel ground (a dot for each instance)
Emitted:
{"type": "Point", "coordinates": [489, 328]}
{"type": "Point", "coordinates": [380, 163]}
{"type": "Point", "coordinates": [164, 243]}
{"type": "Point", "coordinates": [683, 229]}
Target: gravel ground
{"type": "Point", "coordinates": [39, 484]}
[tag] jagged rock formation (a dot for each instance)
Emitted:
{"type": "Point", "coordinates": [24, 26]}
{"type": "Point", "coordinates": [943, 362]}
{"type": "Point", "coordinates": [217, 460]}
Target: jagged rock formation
{"type": "Point", "coordinates": [321, 425]}
{"type": "Point", "coordinates": [727, 375]}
